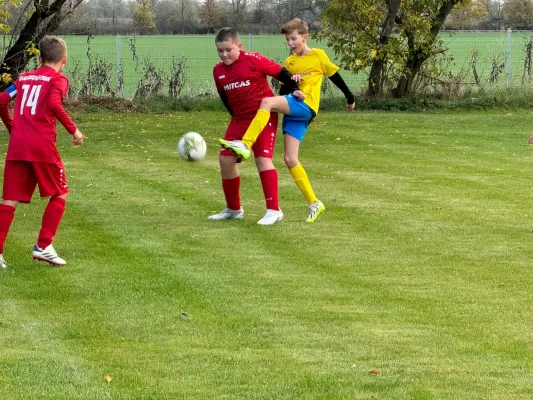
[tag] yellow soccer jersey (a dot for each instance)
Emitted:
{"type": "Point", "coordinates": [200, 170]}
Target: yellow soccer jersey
{"type": "Point", "coordinates": [312, 67]}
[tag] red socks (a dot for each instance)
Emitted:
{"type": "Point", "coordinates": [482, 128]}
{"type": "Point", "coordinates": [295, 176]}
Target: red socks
{"type": "Point", "coordinates": [51, 219]}
{"type": "Point", "coordinates": [6, 217]}
{"type": "Point", "coordinates": [232, 192]}
{"type": "Point", "coordinates": [269, 180]}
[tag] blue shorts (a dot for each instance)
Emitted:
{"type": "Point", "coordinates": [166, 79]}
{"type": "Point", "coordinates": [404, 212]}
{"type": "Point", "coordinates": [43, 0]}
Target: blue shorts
{"type": "Point", "coordinates": [296, 123]}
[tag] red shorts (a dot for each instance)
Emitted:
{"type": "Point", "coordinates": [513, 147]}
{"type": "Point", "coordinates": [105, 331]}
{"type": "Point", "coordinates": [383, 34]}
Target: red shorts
{"type": "Point", "coordinates": [264, 146]}
{"type": "Point", "coordinates": [21, 178]}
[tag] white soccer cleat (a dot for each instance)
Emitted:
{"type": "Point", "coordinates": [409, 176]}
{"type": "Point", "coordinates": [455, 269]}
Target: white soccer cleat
{"type": "Point", "coordinates": [49, 255]}
{"type": "Point", "coordinates": [315, 209]}
{"type": "Point", "coordinates": [227, 213]}
{"type": "Point", "coordinates": [237, 147]}
{"type": "Point", "coordinates": [271, 217]}
{"type": "Point", "coordinates": [3, 264]}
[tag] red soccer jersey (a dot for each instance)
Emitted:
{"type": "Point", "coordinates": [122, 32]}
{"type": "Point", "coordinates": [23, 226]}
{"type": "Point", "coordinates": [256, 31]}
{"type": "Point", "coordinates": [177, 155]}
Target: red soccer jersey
{"type": "Point", "coordinates": [39, 96]}
{"type": "Point", "coordinates": [245, 82]}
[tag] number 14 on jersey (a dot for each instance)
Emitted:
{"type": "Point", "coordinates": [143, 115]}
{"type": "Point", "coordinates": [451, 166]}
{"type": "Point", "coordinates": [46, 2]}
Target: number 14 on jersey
{"type": "Point", "coordinates": [31, 100]}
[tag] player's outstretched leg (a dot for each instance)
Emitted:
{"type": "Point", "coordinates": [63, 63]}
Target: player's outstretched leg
{"type": "Point", "coordinates": [271, 217]}
{"type": "Point", "coordinates": [227, 213]}
{"type": "Point", "coordinates": [3, 264]}
{"type": "Point", "coordinates": [315, 209]}
{"type": "Point", "coordinates": [48, 255]}
{"type": "Point", "coordinates": [237, 147]}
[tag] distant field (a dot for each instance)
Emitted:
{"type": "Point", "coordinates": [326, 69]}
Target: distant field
{"type": "Point", "coordinates": [201, 56]}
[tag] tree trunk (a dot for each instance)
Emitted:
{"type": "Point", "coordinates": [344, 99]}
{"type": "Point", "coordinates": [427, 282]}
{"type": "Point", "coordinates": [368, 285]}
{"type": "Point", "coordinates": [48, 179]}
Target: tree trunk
{"type": "Point", "coordinates": [412, 68]}
{"type": "Point", "coordinates": [375, 79]}
{"type": "Point", "coordinates": [44, 20]}
{"type": "Point", "coordinates": [417, 55]}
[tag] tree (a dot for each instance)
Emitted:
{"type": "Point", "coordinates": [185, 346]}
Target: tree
{"type": "Point", "coordinates": [143, 17]}
{"type": "Point", "coordinates": [262, 13]}
{"type": "Point", "coordinates": [494, 11]}
{"type": "Point", "coordinates": [285, 10]}
{"type": "Point", "coordinates": [82, 20]}
{"type": "Point", "coordinates": [116, 7]}
{"type": "Point", "coordinates": [6, 13]}
{"type": "Point", "coordinates": [238, 13]}
{"type": "Point", "coordinates": [29, 29]}
{"type": "Point", "coordinates": [467, 16]}
{"type": "Point", "coordinates": [518, 14]}
{"type": "Point", "coordinates": [210, 15]}
{"type": "Point", "coordinates": [392, 37]}
{"type": "Point", "coordinates": [184, 14]}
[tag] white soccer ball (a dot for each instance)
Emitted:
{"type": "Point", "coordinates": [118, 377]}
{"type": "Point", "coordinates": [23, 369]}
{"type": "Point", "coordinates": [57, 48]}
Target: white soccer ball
{"type": "Point", "coordinates": [192, 147]}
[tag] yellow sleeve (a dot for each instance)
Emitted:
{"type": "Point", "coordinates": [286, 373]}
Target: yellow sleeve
{"type": "Point", "coordinates": [327, 66]}
{"type": "Point", "coordinates": [286, 63]}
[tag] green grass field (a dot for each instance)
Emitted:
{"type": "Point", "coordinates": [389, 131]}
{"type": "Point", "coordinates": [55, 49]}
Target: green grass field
{"type": "Point", "coordinates": [201, 55]}
{"type": "Point", "coordinates": [414, 284]}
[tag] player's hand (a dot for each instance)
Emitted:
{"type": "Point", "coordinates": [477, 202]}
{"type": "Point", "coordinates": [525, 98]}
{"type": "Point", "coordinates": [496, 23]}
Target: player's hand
{"type": "Point", "coordinates": [296, 78]}
{"type": "Point", "coordinates": [299, 95]}
{"type": "Point", "coordinates": [530, 141]}
{"type": "Point", "coordinates": [350, 107]}
{"type": "Point", "coordinates": [77, 138]}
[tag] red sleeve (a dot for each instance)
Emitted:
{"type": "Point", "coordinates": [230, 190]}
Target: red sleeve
{"type": "Point", "coordinates": [266, 65]}
{"type": "Point", "coordinates": [217, 84]}
{"type": "Point", "coordinates": [58, 92]}
{"type": "Point", "coordinates": [5, 115]}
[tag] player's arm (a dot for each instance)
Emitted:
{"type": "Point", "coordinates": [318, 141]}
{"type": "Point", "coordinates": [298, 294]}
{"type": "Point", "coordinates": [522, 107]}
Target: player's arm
{"type": "Point", "coordinates": [224, 98]}
{"type": "Point", "coordinates": [57, 93]}
{"type": "Point", "coordinates": [332, 72]}
{"type": "Point", "coordinates": [289, 85]}
{"type": "Point", "coordinates": [5, 98]}
{"type": "Point", "coordinates": [282, 74]}
{"type": "Point", "coordinates": [337, 80]}
{"type": "Point", "coordinates": [55, 104]}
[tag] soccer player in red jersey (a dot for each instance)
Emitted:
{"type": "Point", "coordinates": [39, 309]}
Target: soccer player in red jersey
{"type": "Point", "coordinates": [32, 157]}
{"type": "Point", "coordinates": [241, 82]}
{"type": "Point", "coordinates": [308, 67]}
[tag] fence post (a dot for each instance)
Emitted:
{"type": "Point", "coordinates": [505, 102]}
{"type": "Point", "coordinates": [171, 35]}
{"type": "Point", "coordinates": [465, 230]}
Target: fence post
{"type": "Point", "coordinates": [249, 42]}
{"type": "Point", "coordinates": [509, 67]}
{"type": "Point", "coordinates": [119, 67]}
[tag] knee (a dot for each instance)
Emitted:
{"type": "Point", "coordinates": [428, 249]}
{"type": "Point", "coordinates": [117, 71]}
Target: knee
{"type": "Point", "coordinates": [225, 162]}
{"type": "Point", "coordinates": [291, 160]}
{"type": "Point", "coordinates": [266, 104]}
{"type": "Point", "coordinates": [10, 203]}
{"type": "Point", "coordinates": [228, 166]}
{"type": "Point", "coordinates": [58, 199]}
{"type": "Point", "coordinates": [264, 164]}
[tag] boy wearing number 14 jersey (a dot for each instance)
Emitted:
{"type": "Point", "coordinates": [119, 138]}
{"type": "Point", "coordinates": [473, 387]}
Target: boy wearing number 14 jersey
{"type": "Point", "coordinates": [32, 157]}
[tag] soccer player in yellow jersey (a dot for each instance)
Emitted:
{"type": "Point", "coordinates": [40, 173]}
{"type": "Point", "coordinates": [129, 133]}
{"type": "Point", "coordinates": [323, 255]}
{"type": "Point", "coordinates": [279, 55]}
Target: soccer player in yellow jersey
{"type": "Point", "coordinates": [308, 67]}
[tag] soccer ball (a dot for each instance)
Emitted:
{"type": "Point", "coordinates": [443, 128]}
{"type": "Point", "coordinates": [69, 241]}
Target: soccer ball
{"type": "Point", "coordinates": [192, 147]}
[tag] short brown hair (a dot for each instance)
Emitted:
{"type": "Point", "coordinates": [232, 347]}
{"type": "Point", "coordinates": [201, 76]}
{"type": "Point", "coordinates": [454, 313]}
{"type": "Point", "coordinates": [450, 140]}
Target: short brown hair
{"type": "Point", "coordinates": [295, 24]}
{"type": "Point", "coordinates": [52, 48]}
{"type": "Point", "coordinates": [227, 34]}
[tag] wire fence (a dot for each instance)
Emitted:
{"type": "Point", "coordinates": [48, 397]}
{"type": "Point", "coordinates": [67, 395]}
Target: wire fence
{"type": "Point", "coordinates": [481, 58]}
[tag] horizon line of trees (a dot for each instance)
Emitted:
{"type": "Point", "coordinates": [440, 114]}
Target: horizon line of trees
{"type": "Point", "coordinates": [147, 17]}
{"type": "Point", "coordinates": [188, 16]}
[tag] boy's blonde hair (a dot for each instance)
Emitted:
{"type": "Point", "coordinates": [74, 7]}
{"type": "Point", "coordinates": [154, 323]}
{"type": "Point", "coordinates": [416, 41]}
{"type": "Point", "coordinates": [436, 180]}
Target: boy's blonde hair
{"type": "Point", "coordinates": [52, 48]}
{"type": "Point", "coordinates": [227, 34]}
{"type": "Point", "coordinates": [295, 24]}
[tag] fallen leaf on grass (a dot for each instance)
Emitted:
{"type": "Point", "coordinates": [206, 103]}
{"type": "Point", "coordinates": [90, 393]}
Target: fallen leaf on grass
{"type": "Point", "coordinates": [108, 378]}
{"type": "Point", "coordinates": [374, 372]}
